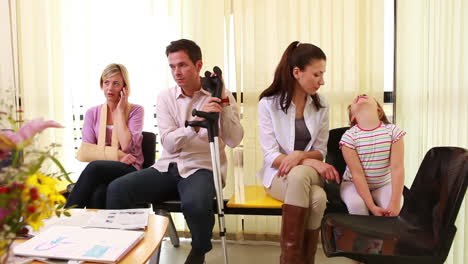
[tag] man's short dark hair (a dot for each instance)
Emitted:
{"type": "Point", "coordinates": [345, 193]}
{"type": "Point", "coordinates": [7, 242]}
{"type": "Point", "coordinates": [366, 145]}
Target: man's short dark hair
{"type": "Point", "coordinates": [189, 46]}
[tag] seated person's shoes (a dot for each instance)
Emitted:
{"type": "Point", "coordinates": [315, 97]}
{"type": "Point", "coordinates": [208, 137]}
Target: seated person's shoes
{"type": "Point", "coordinates": [195, 258]}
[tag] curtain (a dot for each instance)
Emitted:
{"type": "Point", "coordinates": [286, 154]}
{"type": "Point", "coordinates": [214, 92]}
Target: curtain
{"type": "Point", "coordinates": [97, 33]}
{"type": "Point", "coordinates": [8, 58]}
{"type": "Point", "coordinates": [431, 85]}
{"type": "Point", "coordinates": [40, 76]}
{"type": "Point", "coordinates": [349, 32]}
{"type": "Point", "coordinates": [204, 22]}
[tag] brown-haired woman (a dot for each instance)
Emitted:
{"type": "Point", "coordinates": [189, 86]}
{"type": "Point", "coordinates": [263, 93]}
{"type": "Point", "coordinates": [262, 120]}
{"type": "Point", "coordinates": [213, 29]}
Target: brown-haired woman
{"type": "Point", "coordinates": [293, 121]}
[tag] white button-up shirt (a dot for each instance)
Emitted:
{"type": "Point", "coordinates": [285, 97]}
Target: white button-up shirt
{"type": "Point", "coordinates": [189, 149]}
{"type": "Point", "coordinates": [277, 132]}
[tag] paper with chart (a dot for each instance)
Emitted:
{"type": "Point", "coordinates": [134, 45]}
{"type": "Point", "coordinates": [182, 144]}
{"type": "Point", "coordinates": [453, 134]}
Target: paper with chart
{"type": "Point", "coordinates": [77, 243]}
{"type": "Point", "coordinates": [120, 219]}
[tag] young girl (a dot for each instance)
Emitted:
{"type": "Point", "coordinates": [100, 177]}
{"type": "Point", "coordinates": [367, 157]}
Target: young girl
{"type": "Point", "coordinates": [373, 151]}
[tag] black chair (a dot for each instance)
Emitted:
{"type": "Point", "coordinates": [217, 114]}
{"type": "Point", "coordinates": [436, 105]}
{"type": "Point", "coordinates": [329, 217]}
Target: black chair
{"type": "Point", "coordinates": [148, 147]}
{"type": "Point", "coordinates": [335, 158]}
{"type": "Point", "coordinates": [425, 228]}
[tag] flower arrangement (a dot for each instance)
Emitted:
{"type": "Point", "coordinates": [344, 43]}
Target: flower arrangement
{"type": "Point", "coordinates": [27, 195]}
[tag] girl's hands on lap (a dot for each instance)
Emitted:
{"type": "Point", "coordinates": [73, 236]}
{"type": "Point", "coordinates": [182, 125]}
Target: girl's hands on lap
{"type": "Point", "coordinates": [289, 162]}
{"type": "Point", "coordinates": [378, 211]}
{"type": "Point", "coordinates": [325, 170]}
{"type": "Point", "coordinates": [393, 208]}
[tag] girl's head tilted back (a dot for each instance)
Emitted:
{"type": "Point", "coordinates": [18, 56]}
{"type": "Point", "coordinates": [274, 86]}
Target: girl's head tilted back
{"type": "Point", "coordinates": [296, 58]}
{"type": "Point", "coordinates": [363, 103]}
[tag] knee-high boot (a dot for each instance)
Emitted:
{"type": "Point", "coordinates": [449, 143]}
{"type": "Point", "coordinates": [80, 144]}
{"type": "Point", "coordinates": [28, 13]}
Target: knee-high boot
{"type": "Point", "coordinates": [292, 234]}
{"type": "Point", "coordinates": [310, 245]}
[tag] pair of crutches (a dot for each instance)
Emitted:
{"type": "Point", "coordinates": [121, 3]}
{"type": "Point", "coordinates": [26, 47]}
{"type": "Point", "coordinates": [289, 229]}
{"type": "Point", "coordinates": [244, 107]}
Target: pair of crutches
{"type": "Point", "coordinates": [214, 84]}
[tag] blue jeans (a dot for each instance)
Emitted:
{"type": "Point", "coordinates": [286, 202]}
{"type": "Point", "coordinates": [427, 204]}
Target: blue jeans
{"type": "Point", "coordinates": [195, 192]}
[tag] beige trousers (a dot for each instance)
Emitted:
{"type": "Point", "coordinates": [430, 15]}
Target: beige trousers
{"type": "Point", "coordinates": [302, 187]}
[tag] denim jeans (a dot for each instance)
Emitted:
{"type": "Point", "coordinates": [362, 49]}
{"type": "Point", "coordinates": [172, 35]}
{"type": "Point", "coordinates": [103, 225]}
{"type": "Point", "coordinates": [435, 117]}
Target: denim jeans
{"type": "Point", "coordinates": [196, 193]}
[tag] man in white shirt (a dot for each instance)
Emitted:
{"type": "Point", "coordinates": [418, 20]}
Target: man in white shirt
{"type": "Point", "coordinates": [184, 170]}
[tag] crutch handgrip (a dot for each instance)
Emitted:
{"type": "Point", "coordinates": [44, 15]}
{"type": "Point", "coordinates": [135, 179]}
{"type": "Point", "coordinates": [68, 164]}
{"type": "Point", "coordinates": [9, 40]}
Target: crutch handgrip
{"type": "Point", "coordinates": [196, 124]}
{"type": "Point", "coordinates": [213, 116]}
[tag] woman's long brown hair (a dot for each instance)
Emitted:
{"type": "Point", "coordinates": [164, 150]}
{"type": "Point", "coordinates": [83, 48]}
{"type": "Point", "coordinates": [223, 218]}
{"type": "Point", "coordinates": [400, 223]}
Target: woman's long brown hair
{"type": "Point", "coordinates": [296, 55]}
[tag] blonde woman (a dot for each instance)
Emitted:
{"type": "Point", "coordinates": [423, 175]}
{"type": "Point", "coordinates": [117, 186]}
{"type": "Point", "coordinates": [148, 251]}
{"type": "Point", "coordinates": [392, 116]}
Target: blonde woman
{"type": "Point", "coordinates": [123, 119]}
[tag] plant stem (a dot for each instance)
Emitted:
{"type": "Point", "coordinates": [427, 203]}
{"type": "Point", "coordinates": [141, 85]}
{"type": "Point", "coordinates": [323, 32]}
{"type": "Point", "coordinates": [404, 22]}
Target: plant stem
{"type": "Point", "coordinates": [16, 154]}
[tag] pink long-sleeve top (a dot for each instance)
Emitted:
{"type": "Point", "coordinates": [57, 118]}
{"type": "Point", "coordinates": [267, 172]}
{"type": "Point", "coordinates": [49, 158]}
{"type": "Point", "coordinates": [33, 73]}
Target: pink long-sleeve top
{"type": "Point", "coordinates": [189, 149]}
{"type": "Point", "coordinates": [134, 124]}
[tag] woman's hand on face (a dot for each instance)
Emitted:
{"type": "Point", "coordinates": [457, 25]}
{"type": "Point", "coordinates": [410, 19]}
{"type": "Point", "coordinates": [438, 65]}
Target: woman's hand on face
{"type": "Point", "coordinates": [123, 101]}
{"type": "Point", "coordinates": [289, 162]}
{"type": "Point", "coordinates": [325, 170]}
{"type": "Point", "coordinates": [128, 159]}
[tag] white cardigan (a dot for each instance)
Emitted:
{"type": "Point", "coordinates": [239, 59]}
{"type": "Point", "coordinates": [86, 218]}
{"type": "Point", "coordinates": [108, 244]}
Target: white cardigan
{"type": "Point", "coordinates": [277, 132]}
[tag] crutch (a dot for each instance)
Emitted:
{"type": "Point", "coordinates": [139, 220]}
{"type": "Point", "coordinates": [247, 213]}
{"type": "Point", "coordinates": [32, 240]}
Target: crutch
{"type": "Point", "coordinates": [214, 85]}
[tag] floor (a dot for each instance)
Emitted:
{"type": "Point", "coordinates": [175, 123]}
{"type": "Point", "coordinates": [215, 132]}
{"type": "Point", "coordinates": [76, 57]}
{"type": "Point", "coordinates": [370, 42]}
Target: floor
{"type": "Point", "coordinates": [251, 252]}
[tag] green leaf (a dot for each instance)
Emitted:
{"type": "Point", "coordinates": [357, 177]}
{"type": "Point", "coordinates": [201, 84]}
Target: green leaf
{"type": "Point", "coordinates": [66, 213]}
{"type": "Point", "coordinates": [37, 166]}
{"type": "Point", "coordinates": [60, 176]}
{"type": "Point", "coordinates": [16, 157]}
{"type": "Point", "coordinates": [59, 165]}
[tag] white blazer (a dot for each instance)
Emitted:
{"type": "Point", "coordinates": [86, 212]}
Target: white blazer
{"type": "Point", "coordinates": [277, 132]}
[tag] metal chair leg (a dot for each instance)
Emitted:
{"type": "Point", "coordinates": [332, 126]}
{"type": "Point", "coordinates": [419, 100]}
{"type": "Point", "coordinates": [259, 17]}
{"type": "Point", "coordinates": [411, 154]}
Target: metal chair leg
{"type": "Point", "coordinates": [171, 227]}
{"type": "Point", "coordinates": [173, 233]}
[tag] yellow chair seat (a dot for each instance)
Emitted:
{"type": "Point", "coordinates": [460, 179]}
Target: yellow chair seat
{"type": "Point", "coordinates": [255, 197]}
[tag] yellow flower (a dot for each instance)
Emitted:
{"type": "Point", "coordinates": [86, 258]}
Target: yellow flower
{"type": "Point", "coordinates": [25, 198]}
{"type": "Point", "coordinates": [47, 199]}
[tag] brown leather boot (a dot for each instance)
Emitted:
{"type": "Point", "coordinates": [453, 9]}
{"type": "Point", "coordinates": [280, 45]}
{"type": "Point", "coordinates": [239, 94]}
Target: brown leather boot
{"type": "Point", "coordinates": [292, 234]}
{"type": "Point", "coordinates": [310, 245]}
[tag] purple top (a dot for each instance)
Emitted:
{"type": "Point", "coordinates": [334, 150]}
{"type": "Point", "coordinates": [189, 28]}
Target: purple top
{"type": "Point", "coordinates": [302, 135]}
{"type": "Point", "coordinates": [134, 123]}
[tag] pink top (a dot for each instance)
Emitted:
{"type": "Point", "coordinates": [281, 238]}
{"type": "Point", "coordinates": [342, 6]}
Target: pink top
{"type": "Point", "coordinates": [134, 123]}
{"type": "Point", "coordinates": [189, 149]}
